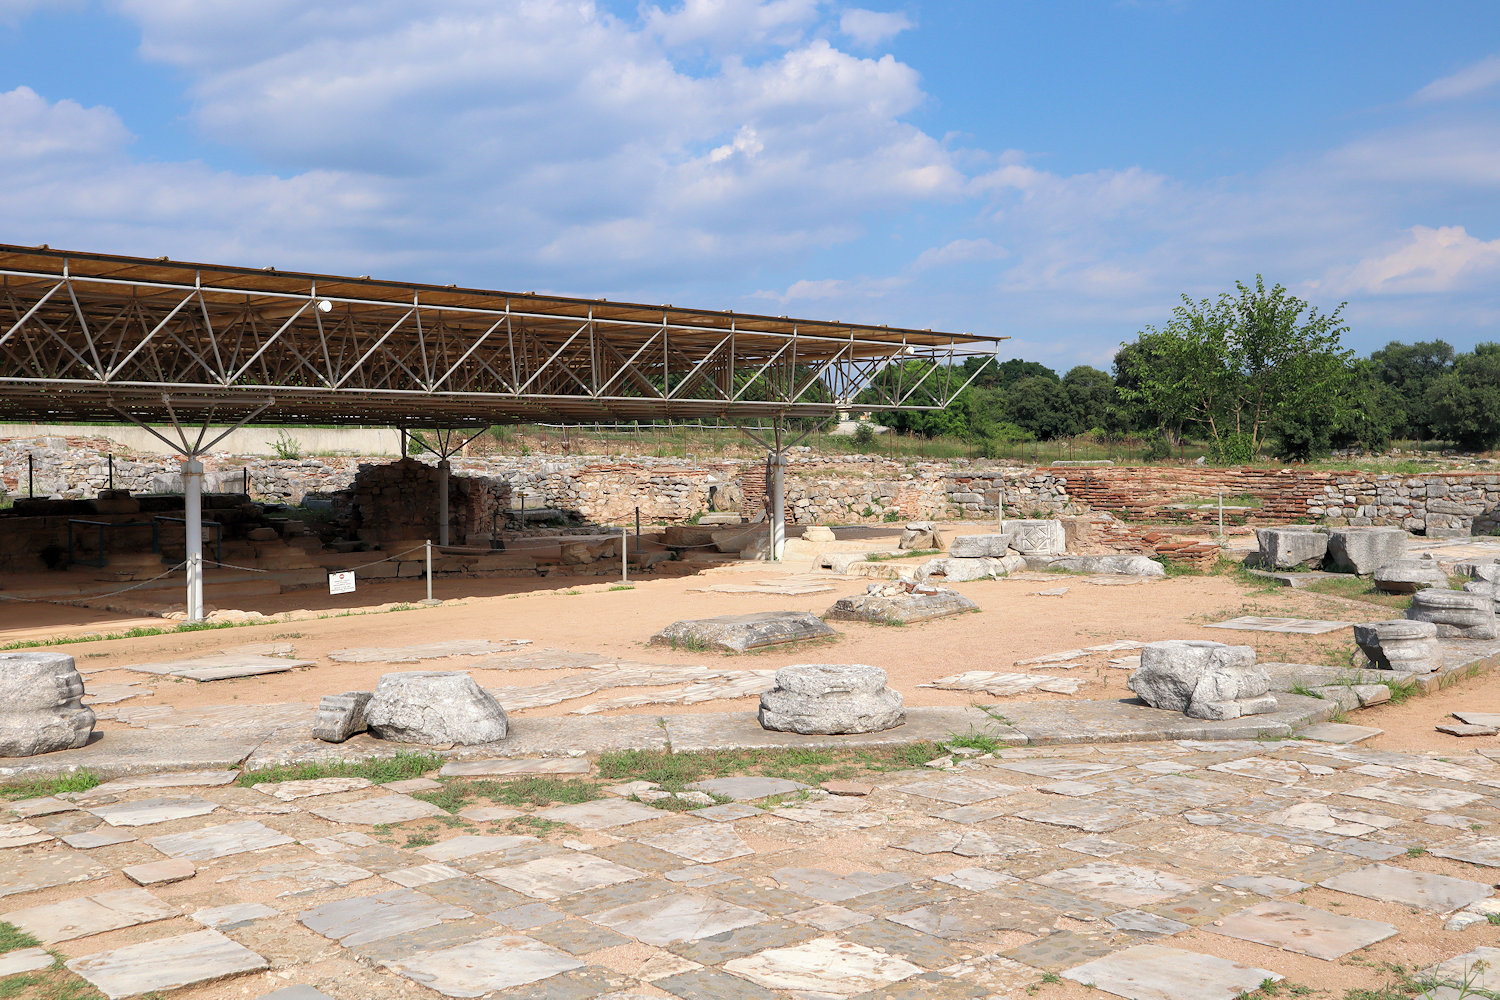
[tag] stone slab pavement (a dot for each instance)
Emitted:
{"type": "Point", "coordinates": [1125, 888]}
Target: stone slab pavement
{"type": "Point", "coordinates": [252, 742]}
{"type": "Point", "coordinates": [1135, 867]}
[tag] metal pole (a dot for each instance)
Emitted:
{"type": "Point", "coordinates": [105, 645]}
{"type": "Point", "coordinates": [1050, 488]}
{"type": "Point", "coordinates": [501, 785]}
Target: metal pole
{"type": "Point", "coordinates": [1221, 516]}
{"type": "Point", "coordinates": [778, 498]}
{"type": "Point", "coordinates": [442, 502]}
{"type": "Point", "coordinates": [30, 474]}
{"type": "Point", "coordinates": [428, 546]}
{"type": "Point", "coordinates": [523, 511]}
{"type": "Point", "coordinates": [111, 471]}
{"type": "Point", "coordinates": [624, 556]}
{"type": "Point", "coordinates": [638, 531]}
{"type": "Point", "coordinates": [245, 480]}
{"type": "Point", "coordinates": [192, 516]}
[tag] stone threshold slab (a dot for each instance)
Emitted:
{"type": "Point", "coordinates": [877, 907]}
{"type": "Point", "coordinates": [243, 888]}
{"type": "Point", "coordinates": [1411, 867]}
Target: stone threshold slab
{"type": "Point", "coordinates": [1132, 721]}
{"type": "Point", "coordinates": [741, 730]}
{"type": "Point", "coordinates": [125, 752]}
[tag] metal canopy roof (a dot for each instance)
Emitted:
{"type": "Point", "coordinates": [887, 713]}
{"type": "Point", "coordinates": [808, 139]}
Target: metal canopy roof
{"type": "Point", "coordinates": [93, 336]}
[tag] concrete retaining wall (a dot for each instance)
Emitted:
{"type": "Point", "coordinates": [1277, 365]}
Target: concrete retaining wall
{"type": "Point", "coordinates": [257, 441]}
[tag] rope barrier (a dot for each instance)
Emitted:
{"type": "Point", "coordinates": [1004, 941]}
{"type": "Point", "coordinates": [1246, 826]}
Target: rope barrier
{"type": "Point", "coordinates": [94, 597]}
{"type": "Point", "coordinates": [351, 569]}
{"type": "Point", "coordinates": [391, 558]}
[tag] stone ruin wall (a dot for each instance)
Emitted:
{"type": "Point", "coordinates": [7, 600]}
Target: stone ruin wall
{"type": "Point", "coordinates": [818, 489]}
{"type": "Point", "coordinates": [397, 502]}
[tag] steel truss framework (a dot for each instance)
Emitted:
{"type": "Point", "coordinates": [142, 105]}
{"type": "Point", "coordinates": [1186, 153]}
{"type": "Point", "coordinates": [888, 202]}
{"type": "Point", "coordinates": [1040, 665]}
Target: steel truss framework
{"type": "Point", "coordinates": [92, 337]}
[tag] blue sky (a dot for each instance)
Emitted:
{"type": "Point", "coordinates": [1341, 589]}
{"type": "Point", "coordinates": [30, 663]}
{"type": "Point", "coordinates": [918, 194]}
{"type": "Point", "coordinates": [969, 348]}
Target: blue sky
{"type": "Point", "coordinates": [1056, 172]}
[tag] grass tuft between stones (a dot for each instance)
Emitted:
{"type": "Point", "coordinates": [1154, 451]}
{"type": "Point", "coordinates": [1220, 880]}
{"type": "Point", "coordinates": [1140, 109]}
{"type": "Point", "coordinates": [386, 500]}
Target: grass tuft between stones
{"type": "Point", "coordinates": [674, 771]}
{"type": "Point", "coordinates": [12, 938]}
{"type": "Point", "coordinates": [403, 765]}
{"type": "Point", "coordinates": [537, 790]}
{"type": "Point", "coordinates": [55, 983]}
{"type": "Point", "coordinates": [80, 780]}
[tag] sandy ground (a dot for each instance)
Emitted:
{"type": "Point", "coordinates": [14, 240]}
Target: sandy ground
{"type": "Point", "coordinates": [586, 615]}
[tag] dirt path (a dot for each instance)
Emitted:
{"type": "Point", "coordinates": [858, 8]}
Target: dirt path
{"type": "Point", "coordinates": [587, 615]}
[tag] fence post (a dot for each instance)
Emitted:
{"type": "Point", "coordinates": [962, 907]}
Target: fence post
{"type": "Point", "coordinates": [428, 546]}
{"type": "Point", "coordinates": [624, 555]}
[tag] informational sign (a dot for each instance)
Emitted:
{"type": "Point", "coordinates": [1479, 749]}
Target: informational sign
{"type": "Point", "coordinates": [341, 583]}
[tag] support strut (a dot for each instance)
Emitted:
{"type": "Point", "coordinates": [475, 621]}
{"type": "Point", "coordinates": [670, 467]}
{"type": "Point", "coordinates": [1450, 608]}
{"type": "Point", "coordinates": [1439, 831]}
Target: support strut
{"type": "Point", "coordinates": [191, 445]}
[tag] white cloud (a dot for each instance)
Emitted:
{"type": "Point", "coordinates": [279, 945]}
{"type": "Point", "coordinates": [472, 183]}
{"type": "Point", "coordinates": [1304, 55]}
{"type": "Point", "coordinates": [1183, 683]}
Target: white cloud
{"type": "Point", "coordinates": [725, 145]}
{"type": "Point", "coordinates": [959, 252]}
{"type": "Point", "coordinates": [11, 11]}
{"type": "Point", "coordinates": [733, 23]}
{"type": "Point", "coordinates": [1427, 260]}
{"type": "Point", "coordinates": [1466, 82]}
{"type": "Point", "coordinates": [35, 133]}
{"type": "Point", "coordinates": [836, 290]}
{"type": "Point", "coordinates": [1463, 152]}
{"type": "Point", "coordinates": [546, 137]}
{"type": "Point", "coordinates": [868, 28]}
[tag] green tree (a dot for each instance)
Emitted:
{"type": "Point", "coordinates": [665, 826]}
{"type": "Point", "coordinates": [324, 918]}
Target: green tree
{"type": "Point", "coordinates": [1372, 412]}
{"type": "Point", "coordinates": [1132, 411]}
{"type": "Point", "coordinates": [1010, 372]}
{"type": "Point", "coordinates": [1091, 396]}
{"type": "Point", "coordinates": [1411, 370]}
{"type": "Point", "coordinates": [1040, 406]}
{"type": "Point", "coordinates": [921, 383]}
{"type": "Point", "coordinates": [1465, 400]}
{"type": "Point", "coordinates": [1234, 366]}
{"type": "Point", "coordinates": [985, 371]}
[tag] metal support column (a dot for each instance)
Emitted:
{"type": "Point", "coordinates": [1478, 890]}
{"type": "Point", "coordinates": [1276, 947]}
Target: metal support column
{"type": "Point", "coordinates": [442, 501]}
{"type": "Point", "coordinates": [446, 444]}
{"type": "Point", "coordinates": [192, 483]}
{"type": "Point", "coordinates": [192, 516]}
{"type": "Point", "coordinates": [777, 513]}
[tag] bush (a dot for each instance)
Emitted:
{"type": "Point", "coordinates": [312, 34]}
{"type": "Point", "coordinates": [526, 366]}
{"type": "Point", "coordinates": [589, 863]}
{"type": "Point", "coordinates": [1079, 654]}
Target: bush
{"type": "Point", "coordinates": [1301, 437]}
{"type": "Point", "coordinates": [1233, 449]}
{"type": "Point", "coordinates": [1157, 449]}
{"type": "Point", "coordinates": [286, 446]}
{"type": "Point", "coordinates": [864, 435]}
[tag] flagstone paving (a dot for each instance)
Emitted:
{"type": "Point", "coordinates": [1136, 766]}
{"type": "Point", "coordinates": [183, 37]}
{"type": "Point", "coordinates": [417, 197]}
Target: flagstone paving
{"type": "Point", "coordinates": [166, 964]}
{"type": "Point", "coordinates": [1118, 866]}
{"type": "Point", "coordinates": [1294, 927]}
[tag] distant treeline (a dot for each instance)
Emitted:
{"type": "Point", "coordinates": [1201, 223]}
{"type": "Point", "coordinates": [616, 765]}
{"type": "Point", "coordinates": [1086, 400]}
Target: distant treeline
{"type": "Point", "coordinates": [1254, 371]}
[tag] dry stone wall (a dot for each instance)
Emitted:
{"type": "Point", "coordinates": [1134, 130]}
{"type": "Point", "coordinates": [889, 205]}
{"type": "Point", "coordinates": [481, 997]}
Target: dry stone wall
{"type": "Point", "coordinates": [818, 488]}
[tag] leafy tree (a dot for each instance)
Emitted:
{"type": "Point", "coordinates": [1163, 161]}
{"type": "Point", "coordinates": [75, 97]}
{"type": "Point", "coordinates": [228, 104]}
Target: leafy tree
{"type": "Point", "coordinates": [921, 383]}
{"type": "Point", "coordinates": [1091, 396]}
{"type": "Point", "coordinates": [1132, 411]}
{"type": "Point", "coordinates": [984, 370]}
{"type": "Point", "coordinates": [1465, 400]}
{"type": "Point", "coordinates": [1372, 411]}
{"type": "Point", "coordinates": [1234, 366]}
{"type": "Point", "coordinates": [1010, 372]}
{"type": "Point", "coordinates": [1040, 406]}
{"type": "Point", "coordinates": [1411, 370]}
